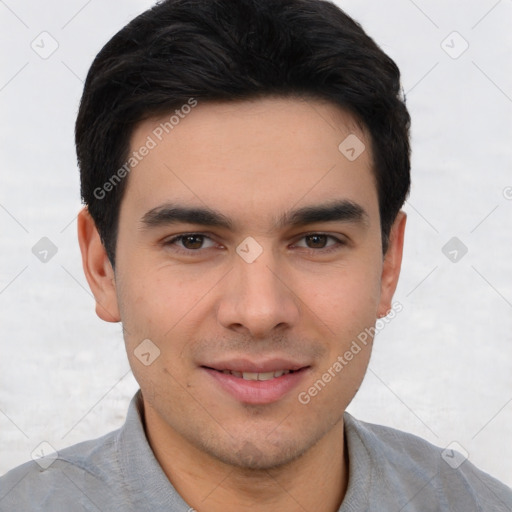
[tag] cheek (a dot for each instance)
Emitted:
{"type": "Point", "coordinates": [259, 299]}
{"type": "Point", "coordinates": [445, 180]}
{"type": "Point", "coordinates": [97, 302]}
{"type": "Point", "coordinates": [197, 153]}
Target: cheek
{"type": "Point", "coordinates": [344, 298]}
{"type": "Point", "coordinates": [154, 300]}
{"type": "Point", "coordinates": [156, 333]}
{"type": "Point", "coordinates": [167, 309]}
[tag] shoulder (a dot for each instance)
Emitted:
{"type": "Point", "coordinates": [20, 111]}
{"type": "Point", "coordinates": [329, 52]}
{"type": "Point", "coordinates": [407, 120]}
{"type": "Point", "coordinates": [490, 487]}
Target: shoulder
{"type": "Point", "coordinates": [421, 476]}
{"type": "Point", "coordinates": [77, 477]}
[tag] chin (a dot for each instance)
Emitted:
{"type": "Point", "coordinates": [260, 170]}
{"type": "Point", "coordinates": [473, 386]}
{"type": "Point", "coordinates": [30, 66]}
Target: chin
{"type": "Point", "coordinates": [259, 455]}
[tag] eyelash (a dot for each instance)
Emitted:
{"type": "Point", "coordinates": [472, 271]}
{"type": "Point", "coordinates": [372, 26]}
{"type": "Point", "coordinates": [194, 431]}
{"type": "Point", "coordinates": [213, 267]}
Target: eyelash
{"type": "Point", "coordinates": [338, 245]}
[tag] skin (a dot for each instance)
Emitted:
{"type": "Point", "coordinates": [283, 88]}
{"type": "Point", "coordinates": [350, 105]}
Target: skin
{"type": "Point", "coordinates": [252, 161]}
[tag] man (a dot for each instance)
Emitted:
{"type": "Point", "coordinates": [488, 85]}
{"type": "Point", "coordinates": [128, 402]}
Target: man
{"type": "Point", "coordinates": [243, 166]}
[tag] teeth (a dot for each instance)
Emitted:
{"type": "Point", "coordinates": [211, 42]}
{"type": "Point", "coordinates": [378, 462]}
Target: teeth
{"type": "Point", "coordinates": [250, 376]}
{"type": "Point", "coordinates": [257, 376]}
{"type": "Point", "coordinates": [266, 376]}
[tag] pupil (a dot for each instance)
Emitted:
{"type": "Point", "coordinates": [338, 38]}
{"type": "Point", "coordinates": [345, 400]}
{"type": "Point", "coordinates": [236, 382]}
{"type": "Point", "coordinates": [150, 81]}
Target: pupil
{"type": "Point", "coordinates": [316, 241]}
{"type": "Point", "coordinates": [193, 241]}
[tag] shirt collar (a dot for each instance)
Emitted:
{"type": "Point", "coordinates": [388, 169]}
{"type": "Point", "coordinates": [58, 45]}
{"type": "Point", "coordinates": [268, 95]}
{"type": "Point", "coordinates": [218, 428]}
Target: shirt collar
{"type": "Point", "coordinates": [148, 486]}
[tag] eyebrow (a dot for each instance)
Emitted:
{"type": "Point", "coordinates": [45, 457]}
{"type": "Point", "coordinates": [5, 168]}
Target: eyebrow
{"type": "Point", "coordinates": [336, 211]}
{"type": "Point", "coordinates": [173, 214]}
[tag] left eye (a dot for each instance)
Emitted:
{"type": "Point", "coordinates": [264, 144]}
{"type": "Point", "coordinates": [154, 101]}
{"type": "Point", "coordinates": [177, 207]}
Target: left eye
{"type": "Point", "coordinates": [191, 241]}
{"type": "Point", "coordinates": [319, 241]}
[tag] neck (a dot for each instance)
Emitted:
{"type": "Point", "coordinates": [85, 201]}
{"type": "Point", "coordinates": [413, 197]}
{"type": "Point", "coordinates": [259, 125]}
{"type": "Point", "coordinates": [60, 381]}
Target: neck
{"type": "Point", "coordinates": [320, 475]}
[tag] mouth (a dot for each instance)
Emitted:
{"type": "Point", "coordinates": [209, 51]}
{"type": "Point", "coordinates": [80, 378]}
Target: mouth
{"type": "Point", "coordinates": [257, 387]}
{"type": "Point", "coordinates": [262, 376]}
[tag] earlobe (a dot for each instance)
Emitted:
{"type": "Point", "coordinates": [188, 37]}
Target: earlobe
{"type": "Point", "coordinates": [97, 268]}
{"type": "Point", "coordinates": [392, 264]}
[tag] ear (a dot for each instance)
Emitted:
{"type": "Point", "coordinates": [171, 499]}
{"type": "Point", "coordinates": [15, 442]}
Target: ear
{"type": "Point", "coordinates": [392, 264]}
{"type": "Point", "coordinates": [97, 268]}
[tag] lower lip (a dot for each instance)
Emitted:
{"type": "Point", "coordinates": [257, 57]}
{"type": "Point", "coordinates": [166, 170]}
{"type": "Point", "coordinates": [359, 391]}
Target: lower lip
{"type": "Point", "coordinates": [257, 391]}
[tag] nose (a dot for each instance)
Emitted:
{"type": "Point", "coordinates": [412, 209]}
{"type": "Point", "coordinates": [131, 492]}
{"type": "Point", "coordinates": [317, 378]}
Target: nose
{"type": "Point", "coordinates": [258, 298]}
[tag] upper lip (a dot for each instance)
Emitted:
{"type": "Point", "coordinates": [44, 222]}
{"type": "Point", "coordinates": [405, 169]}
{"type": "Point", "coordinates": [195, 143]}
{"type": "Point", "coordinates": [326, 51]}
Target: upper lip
{"type": "Point", "coordinates": [263, 366]}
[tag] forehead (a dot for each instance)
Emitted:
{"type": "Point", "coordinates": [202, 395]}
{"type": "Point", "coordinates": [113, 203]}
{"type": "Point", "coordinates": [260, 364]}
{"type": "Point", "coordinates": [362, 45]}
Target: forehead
{"type": "Point", "coordinates": [252, 157]}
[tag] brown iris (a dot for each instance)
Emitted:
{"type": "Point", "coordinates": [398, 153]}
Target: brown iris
{"type": "Point", "coordinates": [192, 241]}
{"type": "Point", "coordinates": [316, 241]}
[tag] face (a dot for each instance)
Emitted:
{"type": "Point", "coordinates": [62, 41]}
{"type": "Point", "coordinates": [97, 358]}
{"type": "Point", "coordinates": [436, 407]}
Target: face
{"type": "Point", "coordinates": [249, 254]}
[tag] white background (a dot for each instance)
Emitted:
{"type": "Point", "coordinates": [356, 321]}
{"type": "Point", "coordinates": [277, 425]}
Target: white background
{"type": "Point", "coordinates": [441, 369]}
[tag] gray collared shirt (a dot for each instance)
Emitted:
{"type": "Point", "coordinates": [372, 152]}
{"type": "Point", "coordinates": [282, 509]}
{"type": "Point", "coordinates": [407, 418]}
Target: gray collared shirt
{"type": "Point", "coordinates": [389, 470]}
